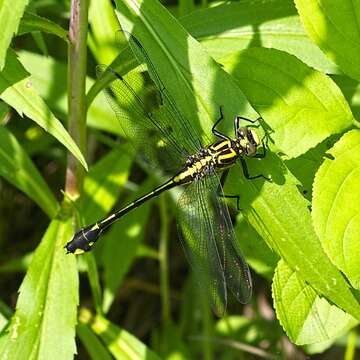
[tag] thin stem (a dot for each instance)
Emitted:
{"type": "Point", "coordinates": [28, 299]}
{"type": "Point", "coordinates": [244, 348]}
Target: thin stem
{"type": "Point", "coordinates": [163, 257]}
{"type": "Point", "coordinates": [76, 92]}
{"type": "Point", "coordinates": [350, 346]}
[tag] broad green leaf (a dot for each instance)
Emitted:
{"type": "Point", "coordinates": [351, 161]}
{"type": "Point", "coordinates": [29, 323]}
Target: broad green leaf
{"type": "Point", "coordinates": [120, 343]}
{"type": "Point", "coordinates": [32, 22]}
{"type": "Point", "coordinates": [281, 216]}
{"type": "Point", "coordinates": [336, 210]}
{"type": "Point", "coordinates": [104, 26]}
{"type": "Point", "coordinates": [290, 96]}
{"type": "Point", "coordinates": [43, 326]}
{"type": "Point", "coordinates": [11, 12]}
{"type": "Point", "coordinates": [306, 317]}
{"type": "Point", "coordinates": [120, 246]}
{"type": "Point", "coordinates": [334, 27]}
{"type": "Point", "coordinates": [235, 26]}
{"type": "Point", "coordinates": [17, 168]}
{"type": "Point", "coordinates": [16, 89]}
{"type": "Point", "coordinates": [46, 71]}
{"type": "Point", "coordinates": [192, 77]}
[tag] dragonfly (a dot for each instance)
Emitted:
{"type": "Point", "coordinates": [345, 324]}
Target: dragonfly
{"type": "Point", "coordinates": [166, 136]}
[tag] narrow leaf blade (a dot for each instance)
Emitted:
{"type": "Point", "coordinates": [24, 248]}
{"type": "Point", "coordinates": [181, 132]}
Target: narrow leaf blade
{"type": "Point", "coordinates": [10, 15]}
{"type": "Point", "coordinates": [47, 302]}
{"type": "Point", "coordinates": [17, 90]}
{"type": "Point", "coordinates": [17, 168]}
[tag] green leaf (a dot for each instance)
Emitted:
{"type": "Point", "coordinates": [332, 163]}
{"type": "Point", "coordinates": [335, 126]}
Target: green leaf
{"type": "Point", "coordinates": [306, 317]}
{"type": "Point", "coordinates": [11, 12]}
{"type": "Point", "coordinates": [334, 27]}
{"type": "Point", "coordinates": [43, 326]}
{"type": "Point", "coordinates": [192, 77]}
{"type": "Point", "coordinates": [290, 96]}
{"type": "Point", "coordinates": [32, 22]}
{"type": "Point", "coordinates": [17, 168]}
{"type": "Point", "coordinates": [272, 24]}
{"type": "Point", "coordinates": [120, 343]}
{"type": "Point", "coordinates": [17, 90]}
{"type": "Point", "coordinates": [104, 25]}
{"type": "Point", "coordinates": [278, 212]}
{"type": "Point", "coordinates": [43, 72]}
{"type": "Point", "coordinates": [336, 211]}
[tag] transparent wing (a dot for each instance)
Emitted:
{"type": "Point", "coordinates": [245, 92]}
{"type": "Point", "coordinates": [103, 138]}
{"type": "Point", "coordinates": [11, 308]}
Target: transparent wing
{"type": "Point", "coordinates": [210, 244]}
{"type": "Point", "coordinates": [148, 114]}
{"type": "Point", "coordinates": [183, 130]}
{"type": "Point", "coordinates": [137, 107]}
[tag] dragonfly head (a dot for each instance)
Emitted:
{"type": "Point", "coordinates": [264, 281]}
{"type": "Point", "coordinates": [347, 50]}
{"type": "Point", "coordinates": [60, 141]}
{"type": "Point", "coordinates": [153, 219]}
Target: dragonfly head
{"type": "Point", "coordinates": [248, 141]}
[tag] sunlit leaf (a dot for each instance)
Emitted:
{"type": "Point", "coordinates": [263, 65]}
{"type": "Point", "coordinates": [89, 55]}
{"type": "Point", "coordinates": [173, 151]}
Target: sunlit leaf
{"type": "Point", "coordinates": [104, 25]}
{"type": "Point", "coordinates": [16, 89]}
{"type": "Point", "coordinates": [120, 343]}
{"type": "Point", "coordinates": [281, 216]}
{"type": "Point", "coordinates": [290, 96]}
{"type": "Point", "coordinates": [336, 209]}
{"type": "Point", "coordinates": [192, 77]}
{"type": "Point", "coordinates": [334, 27]}
{"type": "Point", "coordinates": [11, 12]}
{"type": "Point", "coordinates": [306, 317]}
{"type": "Point", "coordinates": [239, 25]}
{"type": "Point", "coordinates": [47, 302]}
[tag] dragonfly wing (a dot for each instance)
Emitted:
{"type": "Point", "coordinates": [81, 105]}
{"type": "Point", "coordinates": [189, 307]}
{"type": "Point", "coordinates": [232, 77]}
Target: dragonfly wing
{"type": "Point", "coordinates": [197, 238]}
{"type": "Point", "coordinates": [237, 273]}
{"type": "Point", "coordinates": [184, 131]}
{"type": "Point", "coordinates": [136, 102]}
{"type": "Point", "coordinates": [210, 244]}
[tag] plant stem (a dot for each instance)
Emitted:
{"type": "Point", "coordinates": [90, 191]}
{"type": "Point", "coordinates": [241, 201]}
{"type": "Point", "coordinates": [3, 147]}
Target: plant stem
{"type": "Point", "coordinates": [76, 92]}
{"type": "Point", "coordinates": [163, 257]}
{"type": "Point", "coordinates": [350, 346]}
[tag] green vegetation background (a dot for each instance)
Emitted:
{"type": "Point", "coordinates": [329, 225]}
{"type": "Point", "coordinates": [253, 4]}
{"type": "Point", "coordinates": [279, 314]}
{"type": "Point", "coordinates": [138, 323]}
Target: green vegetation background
{"type": "Point", "coordinates": [64, 163]}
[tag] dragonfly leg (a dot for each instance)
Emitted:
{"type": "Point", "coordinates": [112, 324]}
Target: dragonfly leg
{"type": "Point", "coordinates": [246, 172]}
{"type": "Point", "coordinates": [216, 132]}
{"type": "Point", "coordinates": [221, 194]}
{"type": "Point", "coordinates": [263, 153]}
{"type": "Point", "coordinates": [237, 122]}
